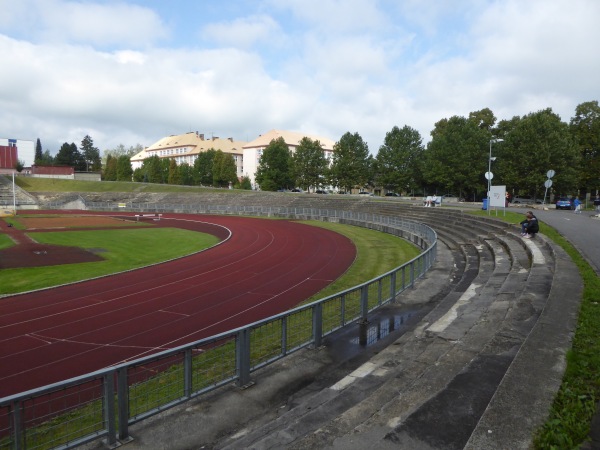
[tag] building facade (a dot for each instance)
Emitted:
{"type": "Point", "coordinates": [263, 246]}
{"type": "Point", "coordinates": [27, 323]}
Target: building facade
{"type": "Point", "coordinates": [25, 150]}
{"type": "Point", "coordinates": [185, 148]}
{"type": "Point", "coordinates": [253, 150]}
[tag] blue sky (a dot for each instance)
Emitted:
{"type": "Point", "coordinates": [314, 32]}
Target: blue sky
{"type": "Point", "coordinates": [129, 72]}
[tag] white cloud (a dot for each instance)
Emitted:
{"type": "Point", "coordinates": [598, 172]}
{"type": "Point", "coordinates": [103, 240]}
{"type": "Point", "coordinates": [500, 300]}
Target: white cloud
{"type": "Point", "coordinates": [323, 67]}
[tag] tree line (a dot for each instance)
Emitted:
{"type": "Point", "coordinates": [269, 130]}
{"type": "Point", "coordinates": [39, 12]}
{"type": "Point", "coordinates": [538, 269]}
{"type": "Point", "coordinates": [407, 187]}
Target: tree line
{"type": "Point", "coordinates": [454, 161]}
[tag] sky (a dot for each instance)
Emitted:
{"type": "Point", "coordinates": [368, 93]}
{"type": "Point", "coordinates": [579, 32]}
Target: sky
{"type": "Point", "coordinates": [131, 71]}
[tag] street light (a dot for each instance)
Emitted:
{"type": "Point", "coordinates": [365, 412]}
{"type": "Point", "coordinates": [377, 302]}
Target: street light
{"type": "Point", "coordinates": [489, 175]}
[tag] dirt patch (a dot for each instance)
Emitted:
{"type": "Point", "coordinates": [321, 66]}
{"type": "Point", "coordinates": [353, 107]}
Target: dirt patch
{"type": "Point", "coordinates": [28, 253]}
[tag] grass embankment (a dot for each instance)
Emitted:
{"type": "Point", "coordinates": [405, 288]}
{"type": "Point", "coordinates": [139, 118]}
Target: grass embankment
{"type": "Point", "coordinates": [121, 249]}
{"type": "Point", "coordinates": [575, 403]}
{"type": "Point", "coordinates": [56, 185]}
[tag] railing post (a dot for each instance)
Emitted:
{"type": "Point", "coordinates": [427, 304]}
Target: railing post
{"type": "Point", "coordinates": [284, 324]}
{"type": "Point", "coordinates": [243, 357]}
{"type": "Point", "coordinates": [187, 373]}
{"type": "Point", "coordinates": [393, 286]}
{"type": "Point", "coordinates": [109, 409]}
{"type": "Point", "coordinates": [412, 274]}
{"type": "Point", "coordinates": [317, 324]}
{"type": "Point", "coordinates": [364, 303]}
{"type": "Point", "coordinates": [123, 404]}
{"type": "Point", "coordinates": [16, 413]}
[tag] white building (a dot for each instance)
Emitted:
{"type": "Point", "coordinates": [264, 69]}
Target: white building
{"type": "Point", "coordinates": [25, 149]}
{"type": "Point", "coordinates": [185, 148]}
{"type": "Point", "coordinates": [253, 150]}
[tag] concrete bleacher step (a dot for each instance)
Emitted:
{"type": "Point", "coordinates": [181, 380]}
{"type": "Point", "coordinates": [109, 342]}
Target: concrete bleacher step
{"type": "Point", "coordinates": [445, 372]}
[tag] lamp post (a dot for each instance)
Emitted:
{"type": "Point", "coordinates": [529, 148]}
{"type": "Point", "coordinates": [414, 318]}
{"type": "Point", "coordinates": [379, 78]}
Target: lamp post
{"type": "Point", "coordinates": [489, 175]}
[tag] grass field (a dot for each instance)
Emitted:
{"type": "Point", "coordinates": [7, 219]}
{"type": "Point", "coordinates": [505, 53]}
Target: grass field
{"type": "Point", "coordinates": [122, 250]}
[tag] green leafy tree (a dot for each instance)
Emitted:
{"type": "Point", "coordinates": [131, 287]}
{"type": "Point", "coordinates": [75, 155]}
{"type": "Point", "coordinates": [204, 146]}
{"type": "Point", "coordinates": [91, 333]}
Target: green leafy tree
{"type": "Point", "coordinates": [203, 168]}
{"type": "Point", "coordinates": [456, 158]}
{"type": "Point", "coordinates": [186, 174]}
{"type": "Point", "coordinates": [533, 145]}
{"type": "Point", "coordinates": [151, 170]}
{"type": "Point", "coordinates": [274, 168]}
{"type": "Point", "coordinates": [90, 154]}
{"type": "Point", "coordinates": [309, 164]}
{"type": "Point", "coordinates": [585, 128]}
{"type": "Point", "coordinates": [38, 152]}
{"type": "Point", "coordinates": [224, 169]}
{"type": "Point", "coordinates": [47, 159]}
{"type": "Point", "coordinates": [173, 177]}
{"type": "Point", "coordinates": [68, 155]}
{"type": "Point", "coordinates": [399, 160]}
{"type": "Point", "coordinates": [110, 168]}
{"type": "Point", "coordinates": [124, 171]}
{"type": "Point", "coordinates": [351, 164]}
{"type": "Point", "coordinates": [484, 119]}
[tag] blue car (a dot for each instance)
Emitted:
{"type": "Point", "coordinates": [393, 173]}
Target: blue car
{"type": "Point", "coordinates": [563, 203]}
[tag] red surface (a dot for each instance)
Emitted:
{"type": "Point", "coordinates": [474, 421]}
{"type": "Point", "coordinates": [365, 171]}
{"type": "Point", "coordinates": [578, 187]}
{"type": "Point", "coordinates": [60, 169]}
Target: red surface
{"type": "Point", "coordinates": [265, 267]}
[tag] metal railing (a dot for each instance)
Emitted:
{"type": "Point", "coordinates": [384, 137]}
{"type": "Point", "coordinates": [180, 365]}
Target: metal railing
{"type": "Point", "coordinates": [103, 404]}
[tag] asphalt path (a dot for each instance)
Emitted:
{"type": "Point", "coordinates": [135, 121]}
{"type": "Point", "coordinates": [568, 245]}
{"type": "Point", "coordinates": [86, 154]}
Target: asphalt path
{"type": "Point", "coordinates": [582, 230]}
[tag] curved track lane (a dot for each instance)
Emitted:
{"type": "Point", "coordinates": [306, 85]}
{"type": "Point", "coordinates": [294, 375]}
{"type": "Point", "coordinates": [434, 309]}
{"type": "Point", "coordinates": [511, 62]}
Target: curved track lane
{"type": "Point", "coordinates": [263, 268]}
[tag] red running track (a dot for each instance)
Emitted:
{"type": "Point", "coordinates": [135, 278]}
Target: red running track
{"type": "Point", "coordinates": [265, 267]}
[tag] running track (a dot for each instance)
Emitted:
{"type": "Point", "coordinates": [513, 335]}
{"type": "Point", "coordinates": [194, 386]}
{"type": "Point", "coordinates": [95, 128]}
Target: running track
{"type": "Point", "coordinates": [265, 267]}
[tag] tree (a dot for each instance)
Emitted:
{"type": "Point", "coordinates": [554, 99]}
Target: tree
{"type": "Point", "coordinates": [533, 145]}
{"type": "Point", "coordinates": [351, 164]}
{"type": "Point", "coordinates": [224, 169]}
{"type": "Point", "coordinates": [274, 171]}
{"type": "Point", "coordinates": [456, 158]}
{"type": "Point", "coordinates": [399, 160]}
{"type": "Point", "coordinates": [203, 168]}
{"type": "Point", "coordinates": [90, 154]}
{"type": "Point", "coordinates": [309, 164]}
{"type": "Point", "coordinates": [245, 183]}
{"type": "Point", "coordinates": [186, 174]}
{"type": "Point", "coordinates": [110, 169]}
{"type": "Point", "coordinates": [484, 119]}
{"type": "Point", "coordinates": [173, 177]}
{"type": "Point", "coordinates": [68, 155]}
{"type": "Point", "coordinates": [585, 129]}
{"type": "Point", "coordinates": [124, 171]}
{"type": "Point", "coordinates": [151, 170]}
{"type": "Point", "coordinates": [38, 152]}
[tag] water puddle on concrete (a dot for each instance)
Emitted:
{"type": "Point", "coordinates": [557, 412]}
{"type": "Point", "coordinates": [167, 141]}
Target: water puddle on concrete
{"type": "Point", "coordinates": [380, 327]}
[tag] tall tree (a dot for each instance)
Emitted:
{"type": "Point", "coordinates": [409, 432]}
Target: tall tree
{"type": "Point", "coordinates": [274, 168]}
{"type": "Point", "coordinates": [399, 160]}
{"type": "Point", "coordinates": [186, 175]}
{"type": "Point", "coordinates": [456, 158]}
{"type": "Point", "coordinates": [110, 168]}
{"type": "Point", "coordinates": [351, 163]}
{"type": "Point", "coordinates": [173, 177]}
{"type": "Point", "coordinates": [152, 170]}
{"type": "Point", "coordinates": [90, 154]}
{"type": "Point", "coordinates": [123, 168]}
{"type": "Point", "coordinates": [38, 152]}
{"type": "Point", "coordinates": [309, 164]}
{"type": "Point", "coordinates": [203, 168]}
{"type": "Point", "coordinates": [484, 119]}
{"type": "Point", "coordinates": [224, 169]}
{"type": "Point", "coordinates": [585, 128]}
{"type": "Point", "coordinates": [68, 155]}
{"type": "Point", "coordinates": [533, 145]}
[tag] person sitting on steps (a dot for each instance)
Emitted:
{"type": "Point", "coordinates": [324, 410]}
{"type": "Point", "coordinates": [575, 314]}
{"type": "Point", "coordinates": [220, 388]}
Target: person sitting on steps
{"type": "Point", "coordinates": [529, 226]}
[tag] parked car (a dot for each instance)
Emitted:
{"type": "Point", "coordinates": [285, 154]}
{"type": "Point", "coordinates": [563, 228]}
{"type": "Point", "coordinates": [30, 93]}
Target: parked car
{"type": "Point", "coordinates": [563, 203]}
{"type": "Point", "coordinates": [365, 193]}
{"type": "Point", "coordinates": [321, 191]}
{"type": "Point", "coordinates": [392, 194]}
{"type": "Point", "coordinates": [522, 200]}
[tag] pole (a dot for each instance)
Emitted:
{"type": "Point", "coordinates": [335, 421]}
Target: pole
{"type": "Point", "coordinates": [14, 196]}
{"type": "Point", "coordinates": [489, 177]}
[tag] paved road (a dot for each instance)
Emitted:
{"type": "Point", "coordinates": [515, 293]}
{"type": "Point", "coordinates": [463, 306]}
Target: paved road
{"type": "Point", "coordinates": [582, 230]}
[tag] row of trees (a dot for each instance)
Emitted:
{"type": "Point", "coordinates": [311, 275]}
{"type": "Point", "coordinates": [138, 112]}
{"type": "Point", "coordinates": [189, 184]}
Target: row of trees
{"type": "Point", "coordinates": [455, 160]}
{"type": "Point", "coordinates": [211, 168]}
{"type": "Point", "coordinates": [86, 159]}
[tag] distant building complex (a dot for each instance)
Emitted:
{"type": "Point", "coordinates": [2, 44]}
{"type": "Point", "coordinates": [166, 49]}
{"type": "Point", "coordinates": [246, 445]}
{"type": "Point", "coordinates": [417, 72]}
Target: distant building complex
{"type": "Point", "coordinates": [185, 148]}
{"type": "Point", "coordinates": [14, 150]}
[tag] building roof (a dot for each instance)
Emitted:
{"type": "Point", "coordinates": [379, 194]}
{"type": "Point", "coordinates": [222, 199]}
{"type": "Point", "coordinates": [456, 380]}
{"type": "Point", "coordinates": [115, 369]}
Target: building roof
{"type": "Point", "coordinates": [290, 138]}
{"type": "Point", "coordinates": [194, 142]}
